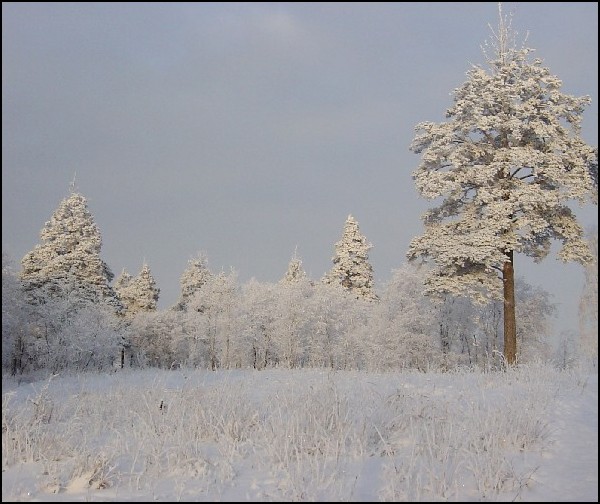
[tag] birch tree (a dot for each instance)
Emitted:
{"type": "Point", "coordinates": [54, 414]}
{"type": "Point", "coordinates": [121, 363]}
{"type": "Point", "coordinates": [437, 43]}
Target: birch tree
{"type": "Point", "coordinates": [505, 166]}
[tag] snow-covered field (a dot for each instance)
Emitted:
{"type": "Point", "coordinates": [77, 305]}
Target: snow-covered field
{"type": "Point", "coordinates": [528, 434]}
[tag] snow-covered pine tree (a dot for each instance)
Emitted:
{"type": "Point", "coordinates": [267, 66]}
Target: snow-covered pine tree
{"type": "Point", "coordinates": [138, 294]}
{"type": "Point", "coordinates": [68, 263]}
{"type": "Point", "coordinates": [506, 164]}
{"type": "Point", "coordinates": [148, 291]}
{"type": "Point", "coordinates": [120, 286]}
{"type": "Point", "coordinates": [193, 278]}
{"type": "Point", "coordinates": [295, 272]}
{"type": "Point", "coordinates": [351, 268]}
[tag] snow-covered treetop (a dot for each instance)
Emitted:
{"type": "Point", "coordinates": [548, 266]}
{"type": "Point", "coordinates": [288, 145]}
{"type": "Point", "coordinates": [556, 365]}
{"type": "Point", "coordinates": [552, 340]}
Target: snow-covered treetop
{"type": "Point", "coordinates": [295, 272]}
{"type": "Point", "coordinates": [122, 281]}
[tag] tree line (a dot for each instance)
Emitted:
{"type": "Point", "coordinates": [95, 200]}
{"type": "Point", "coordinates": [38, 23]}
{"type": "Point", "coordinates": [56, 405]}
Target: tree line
{"type": "Point", "coordinates": [60, 312]}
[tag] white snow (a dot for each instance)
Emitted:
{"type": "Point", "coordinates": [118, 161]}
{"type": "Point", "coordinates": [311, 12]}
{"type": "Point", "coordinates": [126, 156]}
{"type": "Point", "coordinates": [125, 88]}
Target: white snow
{"type": "Point", "coordinates": [528, 434]}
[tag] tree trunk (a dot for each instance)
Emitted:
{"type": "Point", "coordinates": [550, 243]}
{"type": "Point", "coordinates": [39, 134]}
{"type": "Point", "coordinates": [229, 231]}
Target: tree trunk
{"type": "Point", "coordinates": [510, 322]}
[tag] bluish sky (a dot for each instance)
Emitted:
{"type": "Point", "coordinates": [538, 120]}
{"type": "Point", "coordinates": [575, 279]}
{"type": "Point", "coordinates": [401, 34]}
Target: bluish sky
{"type": "Point", "coordinates": [245, 130]}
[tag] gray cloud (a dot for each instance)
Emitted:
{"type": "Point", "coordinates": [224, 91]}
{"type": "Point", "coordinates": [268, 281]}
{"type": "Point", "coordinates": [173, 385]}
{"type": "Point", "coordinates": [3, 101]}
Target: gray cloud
{"type": "Point", "coordinates": [246, 129]}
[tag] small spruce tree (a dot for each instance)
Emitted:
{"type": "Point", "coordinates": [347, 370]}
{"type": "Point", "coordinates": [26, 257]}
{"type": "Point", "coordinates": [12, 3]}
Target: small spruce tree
{"type": "Point", "coordinates": [295, 272]}
{"type": "Point", "coordinates": [351, 268]}
{"type": "Point", "coordinates": [193, 278]}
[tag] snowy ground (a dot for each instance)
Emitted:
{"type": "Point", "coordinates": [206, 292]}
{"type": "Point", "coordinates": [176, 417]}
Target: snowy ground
{"type": "Point", "coordinates": [530, 434]}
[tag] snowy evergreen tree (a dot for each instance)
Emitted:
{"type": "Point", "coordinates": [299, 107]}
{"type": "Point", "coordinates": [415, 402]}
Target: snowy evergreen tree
{"type": "Point", "coordinates": [351, 268]}
{"type": "Point", "coordinates": [68, 261]}
{"type": "Point", "coordinates": [193, 278]}
{"type": "Point", "coordinates": [121, 288]}
{"type": "Point", "coordinates": [505, 166]}
{"type": "Point", "coordinates": [121, 283]}
{"type": "Point", "coordinates": [138, 294]}
{"type": "Point", "coordinates": [148, 292]}
{"type": "Point", "coordinates": [295, 272]}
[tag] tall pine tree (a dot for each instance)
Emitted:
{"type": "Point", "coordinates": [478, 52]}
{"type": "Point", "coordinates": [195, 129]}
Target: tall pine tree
{"type": "Point", "coordinates": [504, 166]}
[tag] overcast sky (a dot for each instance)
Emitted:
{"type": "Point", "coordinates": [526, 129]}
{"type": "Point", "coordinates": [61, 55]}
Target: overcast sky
{"type": "Point", "coordinates": [245, 130]}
